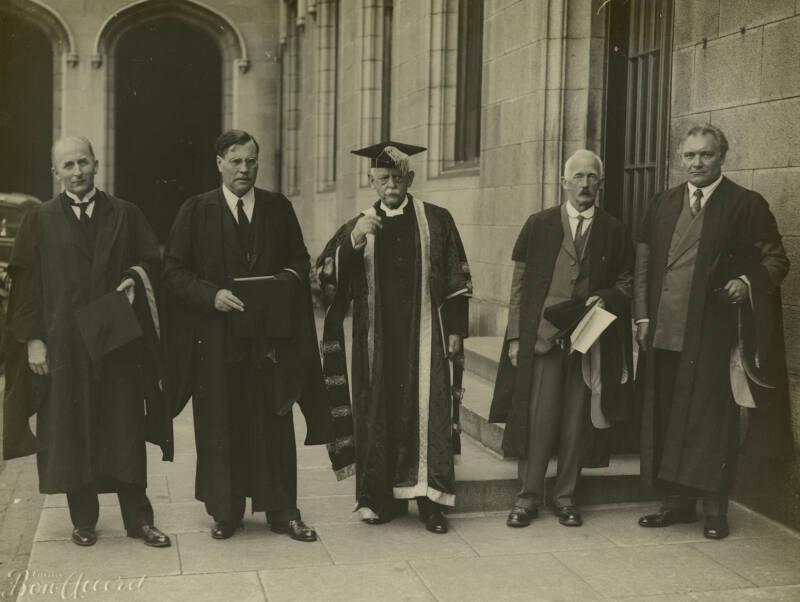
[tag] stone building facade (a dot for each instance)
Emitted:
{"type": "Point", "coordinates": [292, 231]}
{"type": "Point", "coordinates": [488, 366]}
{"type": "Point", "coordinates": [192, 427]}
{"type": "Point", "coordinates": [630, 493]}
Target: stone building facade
{"type": "Point", "coordinates": [500, 91]}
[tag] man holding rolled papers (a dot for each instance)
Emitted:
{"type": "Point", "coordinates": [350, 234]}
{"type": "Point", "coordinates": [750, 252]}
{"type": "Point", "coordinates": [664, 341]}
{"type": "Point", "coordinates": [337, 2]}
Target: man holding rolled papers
{"type": "Point", "coordinates": [571, 262]}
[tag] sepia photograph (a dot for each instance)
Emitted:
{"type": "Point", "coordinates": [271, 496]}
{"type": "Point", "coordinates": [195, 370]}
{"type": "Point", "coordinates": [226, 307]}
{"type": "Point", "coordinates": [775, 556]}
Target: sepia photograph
{"type": "Point", "coordinates": [376, 300]}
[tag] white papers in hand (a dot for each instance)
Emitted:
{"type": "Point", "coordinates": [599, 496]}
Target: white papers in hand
{"type": "Point", "coordinates": [590, 328]}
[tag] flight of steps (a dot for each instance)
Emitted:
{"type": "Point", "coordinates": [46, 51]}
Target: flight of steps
{"type": "Point", "coordinates": [486, 481]}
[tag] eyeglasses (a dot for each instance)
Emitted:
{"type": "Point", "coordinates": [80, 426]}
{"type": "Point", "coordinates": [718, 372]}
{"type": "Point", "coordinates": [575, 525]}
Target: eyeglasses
{"type": "Point", "coordinates": [589, 178]}
{"type": "Point", "coordinates": [384, 179]}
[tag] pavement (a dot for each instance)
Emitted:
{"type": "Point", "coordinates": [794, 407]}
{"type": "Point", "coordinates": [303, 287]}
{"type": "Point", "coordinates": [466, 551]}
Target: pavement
{"type": "Point", "coordinates": [610, 557]}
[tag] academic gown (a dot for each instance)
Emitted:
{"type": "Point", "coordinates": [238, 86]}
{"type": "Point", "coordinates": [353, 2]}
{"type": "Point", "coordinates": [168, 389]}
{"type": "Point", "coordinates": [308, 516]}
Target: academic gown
{"type": "Point", "coordinates": [409, 289]}
{"type": "Point", "coordinates": [90, 425]}
{"type": "Point", "coordinates": [204, 254]}
{"type": "Point", "coordinates": [610, 255]}
{"type": "Point", "coordinates": [739, 237]}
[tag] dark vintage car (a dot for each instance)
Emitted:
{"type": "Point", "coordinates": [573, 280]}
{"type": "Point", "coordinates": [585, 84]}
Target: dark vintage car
{"type": "Point", "coordinates": [13, 207]}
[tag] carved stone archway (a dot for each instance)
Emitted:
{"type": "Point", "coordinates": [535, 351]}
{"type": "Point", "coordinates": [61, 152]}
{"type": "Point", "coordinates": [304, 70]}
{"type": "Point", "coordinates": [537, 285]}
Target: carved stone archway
{"type": "Point", "coordinates": [65, 54]}
{"type": "Point", "coordinates": [235, 59]}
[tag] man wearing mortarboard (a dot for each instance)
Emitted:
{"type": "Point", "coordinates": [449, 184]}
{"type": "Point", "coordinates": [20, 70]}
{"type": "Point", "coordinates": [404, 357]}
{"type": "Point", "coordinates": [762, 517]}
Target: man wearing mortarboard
{"type": "Point", "coordinates": [402, 263]}
{"type": "Point", "coordinates": [82, 344]}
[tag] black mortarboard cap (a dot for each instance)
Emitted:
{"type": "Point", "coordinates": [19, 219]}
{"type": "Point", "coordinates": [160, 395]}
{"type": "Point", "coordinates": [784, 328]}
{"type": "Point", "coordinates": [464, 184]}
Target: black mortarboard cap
{"type": "Point", "coordinates": [107, 323]}
{"type": "Point", "coordinates": [566, 315]}
{"type": "Point", "coordinates": [389, 153]}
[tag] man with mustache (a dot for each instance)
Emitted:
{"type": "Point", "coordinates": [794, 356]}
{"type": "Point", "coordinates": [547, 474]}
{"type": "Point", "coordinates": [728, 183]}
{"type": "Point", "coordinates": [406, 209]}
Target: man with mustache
{"type": "Point", "coordinates": [85, 250]}
{"type": "Point", "coordinates": [572, 255]}
{"type": "Point", "coordinates": [244, 381]}
{"type": "Point", "coordinates": [707, 304]}
{"type": "Point", "coordinates": [402, 264]}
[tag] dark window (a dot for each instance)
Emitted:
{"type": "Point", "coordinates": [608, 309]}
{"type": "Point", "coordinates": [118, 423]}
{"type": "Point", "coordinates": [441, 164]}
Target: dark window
{"type": "Point", "coordinates": [468, 84]}
{"type": "Point", "coordinates": [637, 105]}
{"type": "Point", "coordinates": [386, 71]}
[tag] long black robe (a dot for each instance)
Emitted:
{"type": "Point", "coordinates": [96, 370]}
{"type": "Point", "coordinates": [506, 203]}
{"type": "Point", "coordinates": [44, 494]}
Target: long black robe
{"type": "Point", "coordinates": [610, 256]}
{"type": "Point", "coordinates": [739, 237]}
{"type": "Point", "coordinates": [400, 371]}
{"type": "Point", "coordinates": [203, 255]}
{"type": "Point", "coordinates": [90, 427]}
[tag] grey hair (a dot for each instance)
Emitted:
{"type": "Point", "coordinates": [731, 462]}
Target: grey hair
{"type": "Point", "coordinates": [63, 139]}
{"type": "Point", "coordinates": [706, 129]}
{"type": "Point", "coordinates": [584, 151]}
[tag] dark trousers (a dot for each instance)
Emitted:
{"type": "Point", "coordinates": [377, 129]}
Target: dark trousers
{"type": "Point", "coordinates": [557, 415]}
{"type": "Point", "coordinates": [677, 496]}
{"type": "Point", "coordinates": [265, 471]}
{"type": "Point", "coordinates": [84, 507]}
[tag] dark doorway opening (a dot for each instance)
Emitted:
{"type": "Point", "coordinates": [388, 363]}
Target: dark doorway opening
{"type": "Point", "coordinates": [168, 112]}
{"type": "Point", "coordinates": [26, 108]}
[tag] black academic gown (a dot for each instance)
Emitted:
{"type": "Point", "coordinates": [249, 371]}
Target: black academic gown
{"type": "Point", "coordinates": [610, 255]}
{"type": "Point", "coordinates": [90, 426]}
{"type": "Point", "coordinates": [701, 442]}
{"type": "Point", "coordinates": [388, 376]}
{"type": "Point", "coordinates": [204, 254]}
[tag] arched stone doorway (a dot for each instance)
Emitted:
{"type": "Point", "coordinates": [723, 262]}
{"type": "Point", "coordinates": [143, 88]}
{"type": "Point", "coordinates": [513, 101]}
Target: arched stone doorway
{"type": "Point", "coordinates": [36, 47]}
{"type": "Point", "coordinates": [167, 114]}
{"type": "Point", "coordinates": [26, 107]}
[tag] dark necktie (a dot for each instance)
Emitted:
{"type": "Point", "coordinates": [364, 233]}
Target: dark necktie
{"type": "Point", "coordinates": [83, 207]}
{"type": "Point", "coordinates": [243, 226]}
{"type": "Point", "coordinates": [698, 194]}
{"type": "Point", "coordinates": [580, 236]}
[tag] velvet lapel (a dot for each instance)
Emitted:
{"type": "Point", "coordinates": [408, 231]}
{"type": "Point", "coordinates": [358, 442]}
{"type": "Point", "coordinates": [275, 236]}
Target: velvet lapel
{"type": "Point", "coordinates": [691, 235]}
{"type": "Point", "coordinates": [667, 219]}
{"type": "Point", "coordinates": [108, 219]}
{"type": "Point", "coordinates": [567, 243]}
{"type": "Point", "coordinates": [263, 222]}
{"type": "Point", "coordinates": [597, 245]}
{"type": "Point", "coordinates": [232, 248]}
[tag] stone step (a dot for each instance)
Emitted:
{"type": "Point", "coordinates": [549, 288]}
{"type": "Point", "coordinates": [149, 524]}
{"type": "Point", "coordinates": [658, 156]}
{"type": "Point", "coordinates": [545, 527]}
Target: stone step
{"type": "Point", "coordinates": [485, 481]}
{"type": "Point", "coordinates": [481, 354]}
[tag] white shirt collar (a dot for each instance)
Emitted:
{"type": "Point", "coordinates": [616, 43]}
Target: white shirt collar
{"type": "Point", "coordinates": [394, 212]}
{"type": "Point", "coordinates": [87, 198]}
{"type": "Point", "coordinates": [574, 213]}
{"type": "Point", "coordinates": [248, 202]}
{"type": "Point", "coordinates": [707, 190]}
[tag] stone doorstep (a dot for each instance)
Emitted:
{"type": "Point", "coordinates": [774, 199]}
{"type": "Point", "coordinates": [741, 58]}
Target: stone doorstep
{"type": "Point", "coordinates": [485, 481]}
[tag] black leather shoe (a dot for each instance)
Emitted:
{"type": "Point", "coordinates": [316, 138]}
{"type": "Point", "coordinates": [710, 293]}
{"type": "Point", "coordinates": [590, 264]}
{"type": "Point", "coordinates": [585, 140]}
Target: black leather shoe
{"type": "Point", "coordinates": [224, 529]}
{"type": "Point", "coordinates": [668, 516]}
{"type": "Point", "coordinates": [436, 522]}
{"type": "Point", "coordinates": [569, 516]}
{"type": "Point", "coordinates": [521, 517]}
{"type": "Point", "coordinates": [296, 529]}
{"type": "Point", "coordinates": [151, 536]}
{"type": "Point", "coordinates": [716, 527]}
{"type": "Point", "coordinates": [84, 536]}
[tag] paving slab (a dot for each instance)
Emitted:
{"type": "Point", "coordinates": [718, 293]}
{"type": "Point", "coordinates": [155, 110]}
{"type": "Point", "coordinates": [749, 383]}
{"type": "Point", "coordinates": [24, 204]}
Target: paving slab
{"type": "Point", "coordinates": [771, 594]}
{"type": "Point", "coordinates": [527, 577]}
{"type": "Point", "coordinates": [763, 561]}
{"type": "Point", "coordinates": [241, 587]}
{"type": "Point", "coordinates": [621, 525]}
{"type": "Point", "coordinates": [404, 538]}
{"type": "Point", "coordinates": [650, 570]}
{"type": "Point", "coordinates": [346, 583]}
{"type": "Point", "coordinates": [334, 509]}
{"type": "Point", "coordinates": [490, 536]}
{"type": "Point", "coordinates": [251, 549]}
{"type": "Point", "coordinates": [110, 558]}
